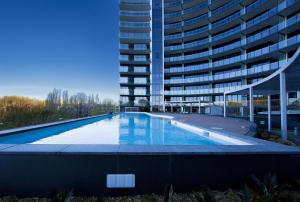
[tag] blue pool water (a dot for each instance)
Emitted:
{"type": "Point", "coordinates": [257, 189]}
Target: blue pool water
{"type": "Point", "coordinates": [124, 128]}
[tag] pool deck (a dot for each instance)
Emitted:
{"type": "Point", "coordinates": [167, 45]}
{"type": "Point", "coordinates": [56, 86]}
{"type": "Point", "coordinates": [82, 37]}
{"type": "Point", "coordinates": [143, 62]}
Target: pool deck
{"type": "Point", "coordinates": [216, 123]}
{"type": "Point", "coordinates": [37, 170]}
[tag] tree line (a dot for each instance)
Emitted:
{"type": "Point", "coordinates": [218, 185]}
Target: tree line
{"type": "Point", "coordinates": [17, 111]}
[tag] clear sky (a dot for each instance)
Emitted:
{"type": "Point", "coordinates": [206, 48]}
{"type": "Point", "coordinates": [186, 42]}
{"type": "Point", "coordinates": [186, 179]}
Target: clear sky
{"type": "Point", "coordinates": [65, 44]}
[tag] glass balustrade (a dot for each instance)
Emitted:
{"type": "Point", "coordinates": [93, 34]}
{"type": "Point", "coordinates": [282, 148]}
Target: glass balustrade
{"type": "Point", "coordinates": [227, 47]}
{"type": "Point", "coordinates": [135, 13]}
{"type": "Point", "coordinates": [225, 7]}
{"type": "Point", "coordinates": [135, 35]}
{"type": "Point", "coordinates": [135, 24]}
{"type": "Point", "coordinates": [226, 20]}
{"type": "Point", "coordinates": [255, 5]}
{"type": "Point", "coordinates": [262, 17]}
{"type": "Point", "coordinates": [227, 33]}
{"type": "Point", "coordinates": [135, 1]}
{"type": "Point", "coordinates": [195, 8]}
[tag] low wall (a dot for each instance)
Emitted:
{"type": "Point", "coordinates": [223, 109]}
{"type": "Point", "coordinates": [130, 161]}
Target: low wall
{"type": "Point", "coordinates": [24, 173]}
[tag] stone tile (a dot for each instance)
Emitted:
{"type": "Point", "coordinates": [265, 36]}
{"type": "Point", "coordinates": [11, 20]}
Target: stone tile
{"type": "Point", "coordinates": [86, 148]}
{"type": "Point", "coordinates": [38, 148]}
{"type": "Point", "coordinates": [144, 149]}
{"type": "Point", "coordinates": [4, 146]}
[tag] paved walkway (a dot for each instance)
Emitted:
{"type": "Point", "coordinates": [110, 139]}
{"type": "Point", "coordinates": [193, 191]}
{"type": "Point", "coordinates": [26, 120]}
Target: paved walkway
{"type": "Point", "coordinates": [215, 123]}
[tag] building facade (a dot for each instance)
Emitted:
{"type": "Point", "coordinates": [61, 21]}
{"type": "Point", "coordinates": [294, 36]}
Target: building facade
{"type": "Point", "coordinates": [178, 54]}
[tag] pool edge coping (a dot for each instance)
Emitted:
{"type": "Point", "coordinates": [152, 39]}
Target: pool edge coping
{"type": "Point", "coordinates": [45, 125]}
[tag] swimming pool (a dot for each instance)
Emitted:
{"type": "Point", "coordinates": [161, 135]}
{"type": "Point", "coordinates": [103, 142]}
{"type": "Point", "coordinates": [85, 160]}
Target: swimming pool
{"type": "Point", "coordinates": [124, 128]}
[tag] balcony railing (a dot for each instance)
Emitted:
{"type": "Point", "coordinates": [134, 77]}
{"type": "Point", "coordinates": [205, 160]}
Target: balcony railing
{"type": "Point", "coordinates": [255, 5]}
{"type": "Point", "coordinates": [203, 91]}
{"type": "Point", "coordinates": [226, 20]}
{"type": "Point", "coordinates": [135, 24]}
{"type": "Point", "coordinates": [227, 75]}
{"type": "Point", "coordinates": [135, 1]}
{"type": "Point", "coordinates": [262, 17]}
{"type": "Point", "coordinates": [187, 57]}
{"type": "Point", "coordinates": [135, 35]}
{"type": "Point", "coordinates": [226, 6]}
{"type": "Point", "coordinates": [135, 13]}
{"type": "Point", "coordinates": [227, 33]}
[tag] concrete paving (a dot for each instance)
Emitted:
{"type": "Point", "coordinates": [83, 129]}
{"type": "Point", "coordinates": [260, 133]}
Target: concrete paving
{"type": "Point", "coordinates": [216, 123]}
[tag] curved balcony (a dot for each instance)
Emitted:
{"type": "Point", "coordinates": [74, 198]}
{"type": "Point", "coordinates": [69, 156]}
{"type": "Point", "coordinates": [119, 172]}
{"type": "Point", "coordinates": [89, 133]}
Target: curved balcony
{"type": "Point", "coordinates": [199, 79]}
{"type": "Point", "coordinates": [135, 5]}
{"type": "Point", "coordinates": [257, 7]}
{"type": "Point", "coordinates": [136, 2]}
{"type": "Point", "coordinates": [187, 24]}
{"type": "Point", "coordinates": [236, 35]}
{"type": "Point", "coordinates": [224, 10]}
{"type": "Point", "coordinates": [229, 61]}
{"type": "Point", "coordinates": [194, 34]}
{"type": "Point", "coordinates": [188, 46]}
{"type": "Point", "coordinates": [226, 48]}
{"type": "Point", "coordinates": [199, 21]}
{"type": "Point", "coordinates": [251, 56]}
{"type": "Point", "coordinates": [224, 35]}
{"type": "Point", "coordinates": [265, 17]}
{"type": "Point", "coordinates": [133, 26]}
{"type": "Point", "coordinates": [196, 10]}
{"type": "Point", "coordinates": [176, 26]}
{"type": "Point", "coordinates": [288, 7]}
{"type": "Point", "coordinates": [236, 74]}
{"type": "Point", "coordinates": [226, 22]}
{"type": "Point", "coordinates": [129, 37]}
{"type": "Point", "coordinates": [172, 6]}
{"type": "Point", "coordinates": [191, 3]}
{"type": "Point", "coordinates": [187, 69]}
{"type": "Point", "coordinates": [174, 37]}
{"type": "Point", "coordinates": [208, 91]}
{"type": "Point", "coordinates": [187, 58]}
{"type": "Point", "coordinates": [173, 17]}
{"type": "Point", "coordinates": [261, 35]}
{"type": "Point", "coordinates": [189, 35]}
{"type": "Point", "coordinates": [263, 51]}
{"type": "Point", "coordinates": [134, 15]}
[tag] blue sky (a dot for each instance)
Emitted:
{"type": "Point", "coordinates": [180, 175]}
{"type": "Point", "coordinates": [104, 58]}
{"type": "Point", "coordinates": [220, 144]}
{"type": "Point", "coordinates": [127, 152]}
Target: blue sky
{"type": "Point", "coordinates": [66, 44]}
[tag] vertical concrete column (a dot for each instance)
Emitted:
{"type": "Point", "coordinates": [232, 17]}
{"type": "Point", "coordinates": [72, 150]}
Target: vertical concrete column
{"type": "Point", "coordinates": [269, 114]}
{"type": "Point", "coordinates": [283, 106]}
{"type": "Point", "coordinates": [224, 105]}
{"type": "Point", "coordinates": [181, 108]}
{"type": "Point", "coordinates": [191, 107]}
{"type": "Point", "coordinates": [251, 104]}
{"type": "Point", "coordinates": [199, 109]}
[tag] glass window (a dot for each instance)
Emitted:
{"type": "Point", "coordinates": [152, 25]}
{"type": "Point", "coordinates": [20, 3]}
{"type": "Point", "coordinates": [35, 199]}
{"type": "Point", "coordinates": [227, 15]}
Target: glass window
{"type": "Point", "coordinates": [140, 47]}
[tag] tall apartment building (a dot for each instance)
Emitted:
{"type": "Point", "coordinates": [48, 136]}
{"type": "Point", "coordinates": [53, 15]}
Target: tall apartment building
{"type": "Point", "coordinates": [176, 53]}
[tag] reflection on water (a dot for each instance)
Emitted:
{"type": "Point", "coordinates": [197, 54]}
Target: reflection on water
{"type": "Point", "coordinates": [142, 129]}
{"type": "Point", "coordinates": [119, 129]}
